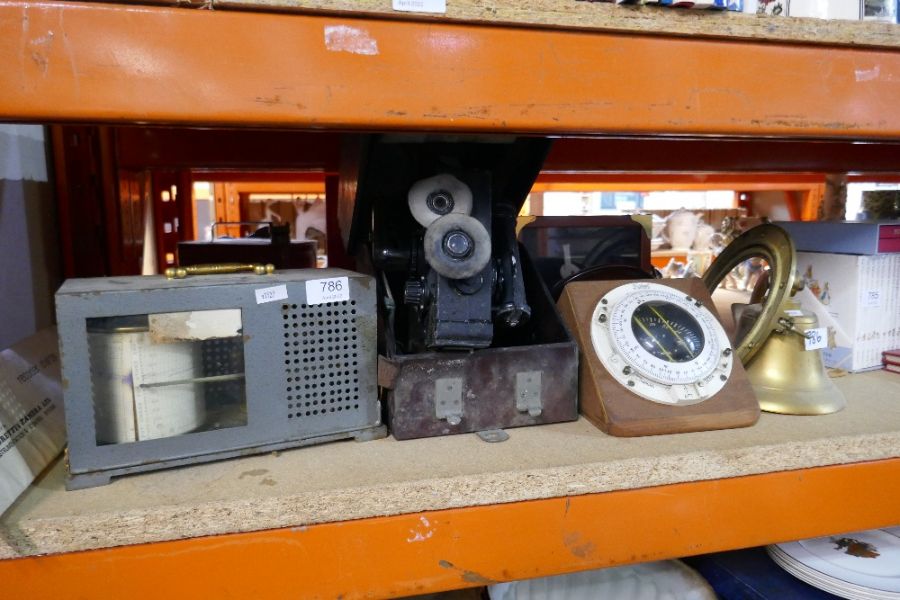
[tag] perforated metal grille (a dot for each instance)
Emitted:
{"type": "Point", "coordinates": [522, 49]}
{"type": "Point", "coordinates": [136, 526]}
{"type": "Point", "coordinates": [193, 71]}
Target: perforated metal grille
{"type": "Point", "coordinates": [321, 359]}
{"type": "Point", "coordinates": [223, 356]}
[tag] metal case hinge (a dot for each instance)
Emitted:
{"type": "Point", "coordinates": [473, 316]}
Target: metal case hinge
{"type": "Point", "coordinates": [528, 392]}
{"type": "Point", "coordinates": [448, 399]}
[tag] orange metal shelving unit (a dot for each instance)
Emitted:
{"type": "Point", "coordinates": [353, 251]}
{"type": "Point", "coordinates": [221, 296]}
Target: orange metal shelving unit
{"type": "Point", "coordinates": [373, 558]}
{"type": "Point", "coordinates": [101, 62]}
{"type": "Point", "coordinates": [68, 62]}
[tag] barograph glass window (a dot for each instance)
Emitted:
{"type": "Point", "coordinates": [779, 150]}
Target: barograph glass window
{"type": "Point", "coordinates": [167, 374]}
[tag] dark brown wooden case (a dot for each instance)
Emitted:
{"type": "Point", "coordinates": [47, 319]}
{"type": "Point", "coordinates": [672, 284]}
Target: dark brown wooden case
{"type": "Point", "coordinates": [488, 376]}
{"type": "Point", "coordinates": [619, 411]}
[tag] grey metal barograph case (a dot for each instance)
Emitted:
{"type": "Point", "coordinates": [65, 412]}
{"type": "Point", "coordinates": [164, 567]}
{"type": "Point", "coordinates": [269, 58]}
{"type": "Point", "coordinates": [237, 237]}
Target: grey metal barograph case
{"type": "Point", "coordinates": [166, 372]}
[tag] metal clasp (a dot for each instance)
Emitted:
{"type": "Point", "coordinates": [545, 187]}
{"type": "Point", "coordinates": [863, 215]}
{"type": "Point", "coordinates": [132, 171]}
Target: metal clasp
{"type": "Point", "coordinates": [448, 399]}
{"type": "Point", "coordinates": [528, 392]}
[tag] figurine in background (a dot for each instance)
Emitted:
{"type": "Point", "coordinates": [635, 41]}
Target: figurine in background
{"type": "Point", "coordinates": [881, 204]}
{"type": "Point", "coordinates": [681, 229]}
{"type": "Point", "coordinates": [726, 234]}
{"type": "Point", "coordinates": [811, 282]}
{"type": "Point", "coordinates": [729, 229]}
{"type": "Point", "coordinates": [674, 269]}
{"type": "Point", "coordinates": [737, 278]}
{"type": "Point", "coordinates": [755, 267]}
{"type": "Point", "coordinates": [703, 239]}
{"type": "Point", "coordinates": [658, 226]}
{"type": "Point", "coordinates": [825, 297]}
{"type": "Point", "coordinates": [746, 274]}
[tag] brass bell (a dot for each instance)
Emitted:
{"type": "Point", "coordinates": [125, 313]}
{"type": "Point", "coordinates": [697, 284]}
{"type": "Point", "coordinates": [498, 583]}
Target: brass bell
{"type": "Point", "coordinates": [787, 378]}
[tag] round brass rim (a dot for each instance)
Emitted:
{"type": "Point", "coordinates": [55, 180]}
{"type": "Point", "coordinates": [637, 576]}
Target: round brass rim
{"type": "Point", "coordinates": [774, 245]}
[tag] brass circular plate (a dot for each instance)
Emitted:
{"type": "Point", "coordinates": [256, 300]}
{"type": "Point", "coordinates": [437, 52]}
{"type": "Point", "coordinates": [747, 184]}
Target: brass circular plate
{"type": "Point", "coordinates": [774, 245]}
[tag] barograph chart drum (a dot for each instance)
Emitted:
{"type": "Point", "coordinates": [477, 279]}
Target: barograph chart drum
{"type": "Point", "coordinates": [142, 389]}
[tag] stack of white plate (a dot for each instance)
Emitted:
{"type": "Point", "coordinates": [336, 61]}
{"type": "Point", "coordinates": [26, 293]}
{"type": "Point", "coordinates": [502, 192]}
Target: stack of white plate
{"type": "Point", "coordinates": [659, 580]}
{"type": "Point", "coordinates": [864, 565]}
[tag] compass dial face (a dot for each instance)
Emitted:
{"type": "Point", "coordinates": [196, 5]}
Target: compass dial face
{"type": "Point", "coordinates": [660, 343]}
{"type": "Point", "coordinates": [667, 331]}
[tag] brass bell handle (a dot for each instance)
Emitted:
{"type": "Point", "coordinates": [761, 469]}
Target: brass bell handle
{"type": "Point", "coordinates": [219, 269]}
{"type": "Point", "coordinates": [786, 325]}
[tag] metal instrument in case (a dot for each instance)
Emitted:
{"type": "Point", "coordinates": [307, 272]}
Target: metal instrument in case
{"type": "Point", "coordinates": [471, 340]}
{"type": "Point", "coordinates": [163, 372]}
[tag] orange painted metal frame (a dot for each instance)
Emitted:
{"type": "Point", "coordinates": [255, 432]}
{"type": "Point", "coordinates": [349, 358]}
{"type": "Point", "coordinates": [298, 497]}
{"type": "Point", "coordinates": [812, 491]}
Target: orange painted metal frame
{"type": "Point", "coordinates": [102, 62]}
{"type": "Point", "coordinates": [637, 185]}
{"type": "Point", "coordinates": [718, 180]}
{"type": "Point", "coordinates": [383, 557]}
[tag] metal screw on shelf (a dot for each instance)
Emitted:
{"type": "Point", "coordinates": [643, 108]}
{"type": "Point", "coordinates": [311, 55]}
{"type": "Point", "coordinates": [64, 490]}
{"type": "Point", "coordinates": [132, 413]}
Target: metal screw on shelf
{"type": "Point", "coordinates": [493, 435]}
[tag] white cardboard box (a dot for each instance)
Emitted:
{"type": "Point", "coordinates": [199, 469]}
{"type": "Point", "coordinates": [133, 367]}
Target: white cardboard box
{"type": "Point", "coordinates": [32, 427]}
{"type": "Point", "coordinates": [826, 9]}
{"type": "Point", "coordinates": [862, 293]}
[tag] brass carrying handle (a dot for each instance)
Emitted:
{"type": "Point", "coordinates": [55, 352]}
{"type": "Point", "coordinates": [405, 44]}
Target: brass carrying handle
{"type": "Point", "coordinates": [219, 269]}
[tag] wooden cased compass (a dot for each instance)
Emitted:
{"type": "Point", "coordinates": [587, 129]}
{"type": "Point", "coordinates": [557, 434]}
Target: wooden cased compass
{"type": "Point", "coordinates": [655, 359]}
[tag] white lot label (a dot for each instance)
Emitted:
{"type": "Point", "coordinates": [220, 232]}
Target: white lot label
{"type": "Point", "coordinates": [320, 291]}
{"type": "Point", "coordinates": [816, 338]}
{"type": "Point", "coordinates": [426, 6]}
{"type": "Point", "coordinates": [271, 294]}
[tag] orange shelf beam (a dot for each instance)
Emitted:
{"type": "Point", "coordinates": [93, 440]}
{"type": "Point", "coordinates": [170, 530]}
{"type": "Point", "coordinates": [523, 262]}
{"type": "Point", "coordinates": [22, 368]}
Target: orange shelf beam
{"type": "Point", "coordinates": [441, 550]}
{"type": "Point", "coordinates": [117, 63]}
{"type": "Point", "coordinates": [643, 186]}
{"type": "Point", "coordinates": [263, 187]}
{"type": "Point", "coordinates": [704, 156]}
{"type": "Point", "coordinates": [259, 177]}
{"type": "Point", "coordinates": [656, 180]}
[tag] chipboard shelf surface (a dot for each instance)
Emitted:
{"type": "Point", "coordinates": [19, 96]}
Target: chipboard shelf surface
{"type": "Point", "coordinates": [347, 481]}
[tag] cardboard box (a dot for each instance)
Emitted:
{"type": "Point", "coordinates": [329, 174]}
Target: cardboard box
{"type": "Point", "coordinates": [775, 8]}
{"type": "Point", "coordinates": [844, 237]}
{"type": "Point", "coordinates": [32, 428]}
{"type": "Point", "coordinates": [862, 293]}
{"type": "Point", "coordinates": [850, 10]}
{"type": "Point", "coordinates": [880, 10]}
